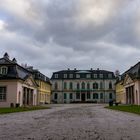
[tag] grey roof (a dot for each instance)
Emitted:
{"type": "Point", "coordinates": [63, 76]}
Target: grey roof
{"type": "Point", "coordinates": [15, 71]}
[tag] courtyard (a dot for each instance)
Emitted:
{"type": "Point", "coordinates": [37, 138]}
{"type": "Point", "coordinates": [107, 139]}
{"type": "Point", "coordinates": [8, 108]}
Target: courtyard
{"type": "Point", "coordinates": [70, 122]}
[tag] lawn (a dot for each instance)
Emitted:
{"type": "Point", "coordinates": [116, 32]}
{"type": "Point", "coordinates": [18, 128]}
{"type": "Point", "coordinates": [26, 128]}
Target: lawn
{"type": "Point", "coordinates": [126, 108]}
{"type": "Point", "coordinates": [20, 109]}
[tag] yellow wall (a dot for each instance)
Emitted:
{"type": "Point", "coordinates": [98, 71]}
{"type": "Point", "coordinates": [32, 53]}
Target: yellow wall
{"type": "Point", "coordinates": [120, 93]}
{"type": "Point", "coordinates": [44, 92]}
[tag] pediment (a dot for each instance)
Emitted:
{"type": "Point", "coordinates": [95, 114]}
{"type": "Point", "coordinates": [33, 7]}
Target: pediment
{"type": "Point", "coordinates": [128, 80]}
{"type": "Point", "coordinates": [30, 82]}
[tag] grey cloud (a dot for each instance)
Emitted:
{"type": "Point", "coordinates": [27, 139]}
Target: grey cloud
{"type": "Point", "coordinates": [52, 36]}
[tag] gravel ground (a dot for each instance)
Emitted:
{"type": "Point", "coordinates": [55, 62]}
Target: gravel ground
{"type": "Point", "coordinates": [70, 122]}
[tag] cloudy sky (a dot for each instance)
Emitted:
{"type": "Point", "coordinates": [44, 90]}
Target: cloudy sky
{"type": "Point", "coordinates": [53, 35]}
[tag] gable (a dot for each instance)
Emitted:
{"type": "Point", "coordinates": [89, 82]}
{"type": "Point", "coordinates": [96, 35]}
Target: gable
{"type": "Point", "coordinates": [30, 82]}
{"type": "Point", "coordinates": [128, 80]}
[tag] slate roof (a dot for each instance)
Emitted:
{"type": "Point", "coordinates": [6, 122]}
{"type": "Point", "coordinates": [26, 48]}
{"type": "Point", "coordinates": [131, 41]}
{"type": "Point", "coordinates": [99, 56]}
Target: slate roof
{"type": "Point", "coordinates": [133, 72]}
{"type": "Point", "coordinates": [38, 75]}
{"type": "Point", "coordinates": [14, 71]}
{"type": "Point", "coordinates": [82, 72]}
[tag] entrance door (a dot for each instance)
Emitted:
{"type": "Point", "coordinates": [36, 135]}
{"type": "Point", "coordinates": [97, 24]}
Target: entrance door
{"type": "Point", "coordinates": [83, 97]}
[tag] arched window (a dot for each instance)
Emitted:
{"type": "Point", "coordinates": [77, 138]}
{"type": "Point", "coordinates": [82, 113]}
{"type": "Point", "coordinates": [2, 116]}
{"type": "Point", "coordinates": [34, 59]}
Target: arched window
{"type": "Point", "coordinates": [101, 85]}
{"type": "Point", "coordinates": [83, 85]}
{"type": "Point", "coordinates": [110, 96]}
{"type": "Point", "coordinates": [88, 86]}
{"type": "Point", "coordinates": [95, 85]}
{"type": "Point", "coordinates": [110, 85]}
{"type": "Point", "coordinates": [78, 86]}
{"type": "Point", "coordinates": [71, 85]}
{"type": "Point", "coordinates": [95, 96]}
{"type": "Point", "coordinates": [101, 95]}
{"type": "Point", "coordinates": [55, 85]}
{"type": "Point", "coordinates": [65, 85]}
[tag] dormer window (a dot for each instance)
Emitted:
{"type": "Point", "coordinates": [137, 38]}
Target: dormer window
{"type": "Point", "coordinates": [109, 75]}
{"type": "Point", "coordinates": [3, 70]}
{"type": "Point", "coordinates": [56, 75]}
{"type": "Point", "coordinates": [65, 75]}
{"type": "Point", "coordinates": [77, 76]}
{"type": "Point", "coordinates": [88, 76]}
{"type": "Point", "coordinates": [101, 75]}
{"type": "Point", "coordinates": [95, 75]}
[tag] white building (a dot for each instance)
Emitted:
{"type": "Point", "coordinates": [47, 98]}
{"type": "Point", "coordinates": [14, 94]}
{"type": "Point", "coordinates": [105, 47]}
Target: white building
{"type": "Point", "coordinates": [83, 86]}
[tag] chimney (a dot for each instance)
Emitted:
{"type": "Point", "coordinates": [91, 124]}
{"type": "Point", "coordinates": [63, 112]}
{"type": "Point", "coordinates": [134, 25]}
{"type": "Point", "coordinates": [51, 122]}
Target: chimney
{"type": "Point", "coordinates": [91, 69]}
{"type": "Point", "coordinates": [6, 55]}
{"type": "Point", "coordinates": [97, 68]}
{"type": "Point", "coordinates": [14, 60]}
{"type": "Point", "coordinates": [74, 68]}
{"type": "Point", "coordinates": [68, 68]}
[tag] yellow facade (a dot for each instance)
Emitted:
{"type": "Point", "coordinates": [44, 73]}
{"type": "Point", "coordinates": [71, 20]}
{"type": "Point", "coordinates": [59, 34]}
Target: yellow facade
{"type": "Point", "coordinates": [120, 92]}
{"type": "Point", "coordinates": [44, 92]}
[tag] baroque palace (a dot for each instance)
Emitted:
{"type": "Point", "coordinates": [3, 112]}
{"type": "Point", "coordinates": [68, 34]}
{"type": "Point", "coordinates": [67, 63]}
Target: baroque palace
{"type": "Point", "coordinates": [83, 86]}
{"type": "Point", "coordinates": [128, 86]}
{"type": "Point", "coordinates": [22, 85]}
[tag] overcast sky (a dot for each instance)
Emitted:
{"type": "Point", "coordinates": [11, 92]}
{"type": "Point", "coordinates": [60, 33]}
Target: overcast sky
{"type": "Point", "coordinates": [53, 35]}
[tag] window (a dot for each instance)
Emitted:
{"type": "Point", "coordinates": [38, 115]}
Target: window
{"type": "Point", "coordinates": [101, 85]}
{"type": "Point", "coordinates": [109, 75]}
{"type": "Point", "coordinates": [55, 96]}
{"type": "Point", "coordinates": [71, 96]}
{"type": "Point", "coordinates": [95, 75]}
{"type": "Point", "coordinates": [95, 96]}
{"type": "Point", "coordinates": [110, 96]}
{"type": "Point", "coordinates": [65, 75]}
{"type": "Point", "coordinates": [77, 76]}
{"type": "Point", "coordinates": [56, 76]}
{"type": "Point", "coordinates": [83, 85]}
{"type": "Point", "coordinates": [101, 75]}
{"type": "Point", "coordinates": [77, 95]}
{"type": "Point", "coordinates": [88, 86]}
{"type": "Point", "coordinates": [3, 70]}
{"type": "Point", "coordinates": [2, 93]}
{"type": "Point", "coordinates": [71, 75]}
{"type": "Point", "coordinates": [71, 85]}
{"type": "Point", "coordinates": [110, 85]}
{"type": "Point", "coordinates": [78, 86]}
{"type": "Point", "coordinates": [101, 95]}
{"type": "Point", "coordinates": [88, 76]}
{"type": "Point", "coordinates": [65, 85]}
{"type": "Point", "coordinates": [95, 85]}
{"type": "Point", "coordinates": [65, 96]}
{"type": "Point", "coordinates": [88, 95]}
{"type": "Point", "coordinates": [55, 85]}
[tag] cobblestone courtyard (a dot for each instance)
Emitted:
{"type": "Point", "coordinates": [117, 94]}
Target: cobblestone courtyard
{"type": "Point", "coordinates": [70, 122]}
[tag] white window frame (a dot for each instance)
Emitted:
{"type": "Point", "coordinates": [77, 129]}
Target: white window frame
{"type": "Point", "coordinates": [2, 94]}
{"type": "Point", "coordinates": [65, 75]}
{"type": "Point", "coordinates": [5, 71]}
{"type": "Point", "coordinates": [77, 75]}
{"type": "Point", "coordinates": [101, 75]}
{"type": "Point", "coordinates": [95, 75]}
{"type": "Point", "coordinates": [71, 75]}
{"type": "Point", "coordinates": [88, 76]}
{"type": "Point", "coordinates": [56, 76]}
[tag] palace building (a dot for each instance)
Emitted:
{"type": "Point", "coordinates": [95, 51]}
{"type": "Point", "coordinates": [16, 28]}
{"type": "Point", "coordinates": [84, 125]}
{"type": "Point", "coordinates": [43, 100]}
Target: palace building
{"type": "Point", "coordinates": [129, 85]}
{"type": "Point", "coordinates": [69, 86]}
{"type": "Point", "coordinates": [21, 85]}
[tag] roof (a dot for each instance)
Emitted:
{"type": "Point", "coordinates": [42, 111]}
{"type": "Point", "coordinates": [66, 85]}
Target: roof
{"type": "Point", "coordinates": [14, 71]}
{"type": "Point", "coordinates": [82, 72]}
